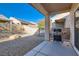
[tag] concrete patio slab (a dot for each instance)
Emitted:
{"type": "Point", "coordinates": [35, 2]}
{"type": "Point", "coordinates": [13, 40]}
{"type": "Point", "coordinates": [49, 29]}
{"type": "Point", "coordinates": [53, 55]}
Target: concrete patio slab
{"type": "Point", "coordinates": [40, 46]}
{"type": "Point", "coordinates": [40, 54]}
{"type": "Point", "coordinates": [50, 48]}
{"type": "Point", "coordinates": [56, 49]}
{"type": "Point", "coordinates": [31, 53]}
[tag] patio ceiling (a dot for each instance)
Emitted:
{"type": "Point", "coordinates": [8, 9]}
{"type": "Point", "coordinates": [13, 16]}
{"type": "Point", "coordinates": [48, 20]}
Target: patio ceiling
{"type": "Point", "coordinates": [52, 8]}
{"type": "Point", "coordinates": [56, 7]}
{"type": "Point", "coordinates": [57, 11]}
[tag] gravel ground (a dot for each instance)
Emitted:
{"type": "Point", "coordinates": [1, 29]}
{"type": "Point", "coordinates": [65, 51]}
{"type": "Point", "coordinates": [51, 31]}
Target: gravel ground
{"type": "Point", "coordinates": [20, 46]}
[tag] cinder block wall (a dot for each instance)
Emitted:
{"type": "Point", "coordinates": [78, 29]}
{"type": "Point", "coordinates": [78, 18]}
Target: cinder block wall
{"type": "Point", "coordinates": [29, 30]}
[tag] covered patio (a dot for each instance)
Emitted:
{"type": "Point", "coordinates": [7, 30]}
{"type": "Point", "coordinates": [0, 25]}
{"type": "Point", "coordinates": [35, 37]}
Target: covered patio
{"type": "Point", "coordinates": [49, 47]}
{"type": "Point", "coordinates": [49, 10]}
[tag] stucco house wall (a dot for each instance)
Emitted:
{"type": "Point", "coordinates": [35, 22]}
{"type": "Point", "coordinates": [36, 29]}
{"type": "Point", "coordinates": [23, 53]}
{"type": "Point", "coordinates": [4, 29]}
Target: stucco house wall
{"type": "Point", "coordinates": [69, 23]}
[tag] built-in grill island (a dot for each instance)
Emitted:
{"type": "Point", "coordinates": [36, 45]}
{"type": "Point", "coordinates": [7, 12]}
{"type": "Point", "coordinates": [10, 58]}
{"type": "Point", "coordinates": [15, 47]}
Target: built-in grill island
{"type": "Point", "coordinates": [57, 34]}
{"type": "Point", "coordinates": [62, 35]}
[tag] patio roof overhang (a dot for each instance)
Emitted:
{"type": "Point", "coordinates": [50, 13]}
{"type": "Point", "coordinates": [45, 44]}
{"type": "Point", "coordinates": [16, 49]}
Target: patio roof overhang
{"type": "Point", "coordinates": [40, 8]}
{"type": "Point", "coordinates": [52, 8]}
{"type": "Point", "coordinates": [57, 7]}
{"type": "Point", "coordinates": [49, 9]}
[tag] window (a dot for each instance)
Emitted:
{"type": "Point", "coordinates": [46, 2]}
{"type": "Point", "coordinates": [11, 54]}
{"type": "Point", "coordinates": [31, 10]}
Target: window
{"type": "Point", "coordinates": [77, 29]}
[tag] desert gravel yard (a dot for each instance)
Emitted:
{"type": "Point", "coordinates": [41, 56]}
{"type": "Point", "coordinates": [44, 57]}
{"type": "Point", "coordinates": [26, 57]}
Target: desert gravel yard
{"type": "Point", "coordinates": [20, 46]}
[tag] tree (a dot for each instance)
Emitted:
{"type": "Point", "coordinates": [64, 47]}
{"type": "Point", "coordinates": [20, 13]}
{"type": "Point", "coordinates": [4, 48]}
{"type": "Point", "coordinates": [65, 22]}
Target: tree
{"type": "Point", "coordinates": [41, 25]}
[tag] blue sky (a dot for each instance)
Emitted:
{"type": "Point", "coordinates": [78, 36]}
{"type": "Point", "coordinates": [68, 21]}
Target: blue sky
{"type": "Point", "coordinates": [21, 11]}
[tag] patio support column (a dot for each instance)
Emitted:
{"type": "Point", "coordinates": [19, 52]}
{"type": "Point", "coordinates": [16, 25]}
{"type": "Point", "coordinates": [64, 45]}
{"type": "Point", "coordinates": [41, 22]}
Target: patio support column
{"type": "Point", "coordinates": [40, 8]}
{"type": "Point", "coordinates": [47, 28]}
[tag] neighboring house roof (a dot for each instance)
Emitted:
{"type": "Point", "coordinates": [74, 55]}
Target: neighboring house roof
{"type": "Point", "coordinates": [26, 22]}
{"type": "Point", "coordinates": [14, 20]}
{"type": "Point", "coordinates": [3, 18]}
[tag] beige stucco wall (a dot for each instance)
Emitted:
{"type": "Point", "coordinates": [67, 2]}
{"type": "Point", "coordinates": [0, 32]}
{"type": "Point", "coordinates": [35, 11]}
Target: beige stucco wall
{"type": "Point", "coordinates": [73, 9]}
{"type": "Point", "coordinates": [69, 23]}
{"type": "Point", "coordinates": [72, 28]}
